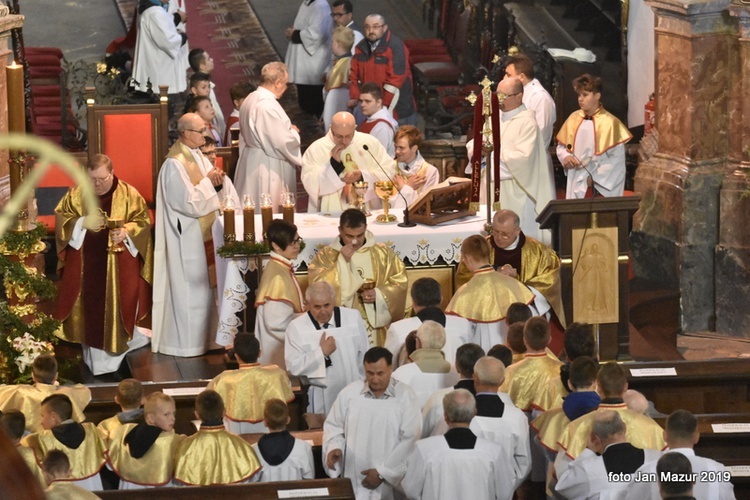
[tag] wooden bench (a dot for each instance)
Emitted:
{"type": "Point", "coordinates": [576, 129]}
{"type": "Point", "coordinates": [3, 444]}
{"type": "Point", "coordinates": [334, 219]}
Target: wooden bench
{"type": "Point", "coordinates": [103, 404]}
{"type": "Point", "coordinates": [701, 387]}
{"type": "Point", "coordinates": [337, 489]}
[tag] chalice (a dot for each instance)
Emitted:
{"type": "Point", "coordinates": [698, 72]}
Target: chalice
{"type": "Point", "coordinates": [360, 188]}
{"type": "Point", "coordinates": [113, 224]}
{"type": "Point", "coordinates": [384, 190]}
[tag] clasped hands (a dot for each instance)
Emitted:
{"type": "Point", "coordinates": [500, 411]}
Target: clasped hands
{"type": "Point", "coordinates": [216, 176]}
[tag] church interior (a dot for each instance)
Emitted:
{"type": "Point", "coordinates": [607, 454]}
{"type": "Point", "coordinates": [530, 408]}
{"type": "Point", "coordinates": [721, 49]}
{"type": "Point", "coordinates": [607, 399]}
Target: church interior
{"type": "Point", "coordinates": [675, 72]}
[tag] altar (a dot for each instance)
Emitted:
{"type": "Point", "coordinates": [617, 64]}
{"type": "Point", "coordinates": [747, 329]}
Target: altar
{"type": "Point", "coordinates": [419, 247]}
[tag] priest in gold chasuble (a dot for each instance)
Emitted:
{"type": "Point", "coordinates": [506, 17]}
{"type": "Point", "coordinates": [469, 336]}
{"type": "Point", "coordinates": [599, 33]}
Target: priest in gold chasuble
{"type": "Point", "coordinates": [367, 276]}
{"type": "Point", "coordinates": [106, 275]}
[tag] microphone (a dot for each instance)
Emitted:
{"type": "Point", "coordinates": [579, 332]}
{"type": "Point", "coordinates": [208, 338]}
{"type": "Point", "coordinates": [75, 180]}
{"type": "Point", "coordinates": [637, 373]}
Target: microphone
{"type": "Point", "coordinates": [569, 147]}
{"type": "Point", "coordinates": [407, 222]}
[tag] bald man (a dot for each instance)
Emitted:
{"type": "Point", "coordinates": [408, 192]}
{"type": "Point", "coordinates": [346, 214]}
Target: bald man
{"type": "Point", "coordinates": [334, 162]}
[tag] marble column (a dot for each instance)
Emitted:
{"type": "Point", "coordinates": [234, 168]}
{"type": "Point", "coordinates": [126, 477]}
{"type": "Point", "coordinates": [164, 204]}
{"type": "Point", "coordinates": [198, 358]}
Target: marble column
{"type": "Point", "coordinates": [7, 23]}
{"type": "Point", "coordinates": [732, 257]}
{"type": "Point", "coordinates": [676, 229]}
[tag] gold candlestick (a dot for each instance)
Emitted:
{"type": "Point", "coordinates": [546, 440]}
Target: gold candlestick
{"type": "Point", "coordinates": [248, 218]}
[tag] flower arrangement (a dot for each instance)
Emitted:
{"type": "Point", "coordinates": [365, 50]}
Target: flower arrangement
{"type": "Point", "coordinates": [28, 348]}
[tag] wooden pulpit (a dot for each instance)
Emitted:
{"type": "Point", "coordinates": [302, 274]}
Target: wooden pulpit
{"type": "Point", "coordinates": [446, 201]}
{"type": "Point", "coordinates": [591, 238]}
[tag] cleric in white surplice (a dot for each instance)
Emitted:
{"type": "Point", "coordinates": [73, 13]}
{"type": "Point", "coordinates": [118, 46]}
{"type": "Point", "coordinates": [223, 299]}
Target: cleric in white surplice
{"type": "Point", "coordinates": [268, 140]}
{"type": "Point", "coordinates": [458, 464]}
{"type": "Point", "coordinates": [159, 54]}
{"type": "Point", "coordinates": [371, 429]}
{"type": "Point", "coordinates": [188, 196]}
{"type": "Point", "coordinates": [327, 345]}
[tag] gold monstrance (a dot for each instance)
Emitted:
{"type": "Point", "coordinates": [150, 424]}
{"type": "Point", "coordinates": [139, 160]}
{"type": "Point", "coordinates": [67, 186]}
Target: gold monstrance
{"type": "Point", "coordinates": [487, 142]}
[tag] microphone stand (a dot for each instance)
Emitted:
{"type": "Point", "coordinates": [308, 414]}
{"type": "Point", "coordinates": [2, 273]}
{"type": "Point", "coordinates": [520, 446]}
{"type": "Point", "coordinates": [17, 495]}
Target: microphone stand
{"type": "Point", "coordinates": [407, 222]}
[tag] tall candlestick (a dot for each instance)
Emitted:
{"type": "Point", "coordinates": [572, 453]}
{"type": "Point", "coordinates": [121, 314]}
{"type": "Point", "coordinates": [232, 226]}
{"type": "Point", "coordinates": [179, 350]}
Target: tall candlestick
{"type": "Point", "coordinates": [16, 101]}
{"type": "Point", "coordinates": [248, 214]}
{"type": "Point", "coordinates": [15, 172]}
{"type": "Point", "coordinates": [229, 235]}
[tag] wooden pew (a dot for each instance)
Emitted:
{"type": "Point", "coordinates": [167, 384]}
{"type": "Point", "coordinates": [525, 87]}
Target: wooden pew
{"type": "Point", "coordinates": [701, 387]}
{"type": "Point", "coordinates": [103, 405]}
{"type": "Point", "coordinates": [337, 489]}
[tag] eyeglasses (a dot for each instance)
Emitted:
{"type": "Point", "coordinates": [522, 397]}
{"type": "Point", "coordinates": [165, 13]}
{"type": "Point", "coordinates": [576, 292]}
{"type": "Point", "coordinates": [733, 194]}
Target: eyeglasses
{"type": "Point", "coordinates": [201, 131]}
{"type": "Point", "coordinates": [501, 97]}
{"type": "Point", "coordinates": [209, 153]}
{"type": "Point", "coordinates": [298, 240]}
{"type": "Point", "coordinates": [100, 180]}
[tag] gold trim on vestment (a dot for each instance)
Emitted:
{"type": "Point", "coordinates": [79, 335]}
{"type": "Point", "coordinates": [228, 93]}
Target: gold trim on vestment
{"type": "Point", "coordinates": [184, 155]}
{"type": "Point", "coordinates": [487, 296]}
{"type": "Point", "coordinates": [155, 468]}
{"type": "Point", "coordinates": [246, 391]}
{"type": "Point", "coordinates": [85, 461]}
{"type": "Point", "coordinates": [214, 456]}
{"type": "Point", "coordinates": [608, 130]}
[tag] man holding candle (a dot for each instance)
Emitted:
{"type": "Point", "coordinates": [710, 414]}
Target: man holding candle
{"type": "Point", "coordinates": [189, 194]}
{"type": "Point", "coordinates": [101, 307]}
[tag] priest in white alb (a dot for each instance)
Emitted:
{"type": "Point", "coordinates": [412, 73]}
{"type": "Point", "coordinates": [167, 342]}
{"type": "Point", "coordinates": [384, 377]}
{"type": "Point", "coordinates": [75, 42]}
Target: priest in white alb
{"type": "Point", "coordinates": [188, 196]}
{"type": "Point", "coordinates": [270, 144]}
{"type": "Point", "coordinates": [371, 430]}
{"type": "Point", "coordinates": [327, 345]}
{"type": "Point", "coordinates": [337, 160]}
{"type": "Point", "coordinates": [458, 464]}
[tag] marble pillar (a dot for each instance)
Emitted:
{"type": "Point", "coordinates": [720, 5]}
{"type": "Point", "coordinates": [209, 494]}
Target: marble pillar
{"type": "Point", "coordinates": [7, 23]}
{"type": "Point", "coordinates": [676, 229]}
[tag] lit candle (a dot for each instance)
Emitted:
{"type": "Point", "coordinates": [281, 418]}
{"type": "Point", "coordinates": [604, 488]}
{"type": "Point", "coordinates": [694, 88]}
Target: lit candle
{"type": "Point", "coordinates": [248, 216]}
{"type": "Point", "coordinates": [16, 100]}
{"type": "Point", "coordinates": [287, 207]}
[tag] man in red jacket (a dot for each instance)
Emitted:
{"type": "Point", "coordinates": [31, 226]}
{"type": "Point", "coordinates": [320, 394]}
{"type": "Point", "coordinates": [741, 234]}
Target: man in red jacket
{"type": "Point", "coordinates": [384, 59]}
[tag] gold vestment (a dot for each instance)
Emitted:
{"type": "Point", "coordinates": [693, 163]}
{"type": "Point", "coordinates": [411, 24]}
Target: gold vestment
{"type": "Point", "coordinates": [608, 130]}
{"type": "Point", "coordinates": [487, 296]}
{"type": "Point", "coordinates": [85, 461]}
{"type": "Point", "coordinates": [30, 458]}
{"type": "Point", "coordinates": [129, 206]}
{"type": "Point", "coordinates": [389, 276]}
{"type": "Point", "coordinates": [245, 391]}
{"type": "Point", "coordinates": [642, 431]}
{"type": "Point", "coordinates": [526, 382]}
{"type": "Point", "coordinates": [279, 283]}
{"type": "Point", "coordinates": [28, 400]}
{"type": "Point", "coordinates": [214, 456]}
{"type": "Point", "coordinates": [339, 76]}
{"type": "Point", "coordinates": [540, 268]}
{"type": "Point", "coordinates": [155, 468]}
{"type": "Point", "coordinates": [549, 426]}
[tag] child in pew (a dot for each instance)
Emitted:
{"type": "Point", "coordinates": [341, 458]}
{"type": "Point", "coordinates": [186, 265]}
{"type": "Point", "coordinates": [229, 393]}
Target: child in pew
{"type": "Point", "coordinates": [237, 93]}
{"type": "Point", "coordinates": [247, 389]}
{"type": "Point", "coordinates": [201, 62]}
{"type": "Point", "coordinates": [198, 455]}
{"type": "Point", "coordinates": [143, 454]}
{"type": "Point", "coordinates": [28, 398]}
{"type": "Point", "coordinates": [283, 457]}
{"type": "Point", "coordinates": [502, 353]}
{"type": "Point", "coordinates": [14, 424]}
{"type": "Point", "coordinates": [82, 443]}
{"type": "Point", "coordinates": [130, 398]}
{"type": "Point", "coordinates": [209, 149]}
{"type": "Point", "coordinates": [57, 474]}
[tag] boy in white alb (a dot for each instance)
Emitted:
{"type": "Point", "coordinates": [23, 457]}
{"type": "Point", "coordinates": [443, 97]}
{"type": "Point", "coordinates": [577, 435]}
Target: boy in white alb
{"type": "Point", "coordinates": [283, 457]}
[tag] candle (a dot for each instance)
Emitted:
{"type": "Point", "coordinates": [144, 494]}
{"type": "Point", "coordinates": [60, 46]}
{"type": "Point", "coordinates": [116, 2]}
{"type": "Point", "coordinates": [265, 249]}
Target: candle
{"type": "Point", "coordinates": [16, 101]}
{"type": "Point", "coordinates": [229, 225]}
{"type": "Point", "coordinates": [248, 214]}
{"type": "Point", "coordinates": [266, 213]}
{"type": "Point", "coordinates": [15, 174]}
{"type": "Point", "coordinates": [288, 211]}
